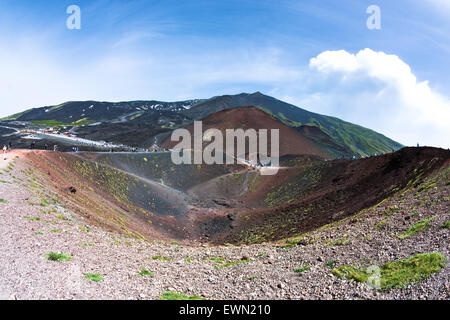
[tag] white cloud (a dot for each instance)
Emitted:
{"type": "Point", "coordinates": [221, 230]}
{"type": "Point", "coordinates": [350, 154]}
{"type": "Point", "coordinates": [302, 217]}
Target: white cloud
{"type": "Point", "coordinates": [380, 91]}
{"type": "Point", "coordinates": [332, 61]}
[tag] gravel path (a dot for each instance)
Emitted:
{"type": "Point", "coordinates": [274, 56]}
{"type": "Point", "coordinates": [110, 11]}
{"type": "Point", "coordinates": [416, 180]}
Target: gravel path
{"type": "Point", "coordinates": [32, 224]}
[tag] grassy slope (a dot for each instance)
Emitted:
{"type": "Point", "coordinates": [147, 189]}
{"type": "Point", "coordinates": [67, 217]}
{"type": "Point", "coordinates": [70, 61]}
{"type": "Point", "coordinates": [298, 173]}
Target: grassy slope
{"type": "Point", "coordinates": [358, 139]}
{"type": "Point", "coordinates": [54, 123]}
{"type": "Point", "coordinates": [16, 115]}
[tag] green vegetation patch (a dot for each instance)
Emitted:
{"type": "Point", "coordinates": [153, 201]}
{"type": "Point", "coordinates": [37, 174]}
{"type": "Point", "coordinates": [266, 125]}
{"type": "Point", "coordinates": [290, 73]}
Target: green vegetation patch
{"type": "Point", "coordinates": [85, 244]}
{"type": "Point", "coordinates": [331, 264]}
{"type": "Point", "coordinates": [416, 228]}
{"type": "Point", "coordinates": [55, 123]}
{"type": "Point", "coordinates": [44, 203]}
{"type": "Point", "coordinates": [398, 273]}
{"type": "Point", "coordinates": [381, 223]}
{"type": "Point", "coordinates": [146, 273]}
{"type": "Point", "coordinates": [94, 277]}
{"type": "Point", "coordinates": [224, 263]}
{"type": "Point", "coordinates": [342, 242]}
{"type": "Point", "coordinates": [215, 259]}
{"type": "Point", "coordinates": [3, 200]}
{"type": "Point", "coordinates": [446, 225]}
{"type": "Point", "coordinates": [33, 218]}
{"type": "Point", "coordinates": [58, 257]}
{"type": "Point", "coordinates": [424, 188]}
{"type": "Point", "coordinates": [391, 210]}
{"type": "Point", "coordinates": [169, 295]}
{"type": "Point", "coordinates": [160, 258]}
{"type": "Point", "coordinates": [302, 269]}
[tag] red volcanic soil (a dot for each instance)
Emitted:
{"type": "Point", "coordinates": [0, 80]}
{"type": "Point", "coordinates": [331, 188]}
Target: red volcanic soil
{"type": "Point", "coordinates": [92, 199]}
{"type": "Point", "coordinates": [291, 141]}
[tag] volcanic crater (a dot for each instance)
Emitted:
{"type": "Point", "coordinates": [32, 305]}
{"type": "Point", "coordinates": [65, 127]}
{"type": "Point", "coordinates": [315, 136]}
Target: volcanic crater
{"type": "Point", "coordinates": [145, 195]}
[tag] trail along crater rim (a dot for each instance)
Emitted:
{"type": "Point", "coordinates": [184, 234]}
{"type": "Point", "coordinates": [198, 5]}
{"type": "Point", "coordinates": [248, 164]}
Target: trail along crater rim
{"type": "Point", "coordinates": [214, 152]}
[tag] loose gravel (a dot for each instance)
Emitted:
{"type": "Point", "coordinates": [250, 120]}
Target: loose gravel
{"type": "Point", "coordinates": [28, 231]}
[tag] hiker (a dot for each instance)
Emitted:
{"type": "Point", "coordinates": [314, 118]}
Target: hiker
{"type": "Point", "coordinates": [55, 147]}
{"type": "Point", "coordinates": [4, 152]}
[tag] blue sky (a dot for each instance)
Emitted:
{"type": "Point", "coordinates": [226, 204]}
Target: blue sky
{"type": "Point", "coordinates": [310, 53]}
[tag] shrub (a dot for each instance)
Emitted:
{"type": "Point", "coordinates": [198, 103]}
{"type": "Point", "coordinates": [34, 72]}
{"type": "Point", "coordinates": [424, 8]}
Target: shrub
{"type": "Point", "coordinates": [94, 277]}
{"type": "Point", "coordinates": [304, 268]}
{"type": "Point", "coordinates": [53, 256]}
{"type": "Point", "coordinates": [145, 273]}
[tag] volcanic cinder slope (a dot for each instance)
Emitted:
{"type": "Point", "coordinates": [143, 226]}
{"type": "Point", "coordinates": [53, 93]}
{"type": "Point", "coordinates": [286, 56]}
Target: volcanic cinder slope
{"type": "Point", "coordinates": [80, 206]}
{"type": "Point", "coordinates": [147, 194]}
{"type": "Point", "coordinates": [290, 142]}
{"type": "Point", "coordinates": [352, 138]}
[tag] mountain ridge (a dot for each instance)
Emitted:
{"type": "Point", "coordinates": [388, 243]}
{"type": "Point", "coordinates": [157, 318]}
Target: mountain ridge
{"type": "Point", "coordinates": [357, 139]}
{"type": "Point", "coordinates": [337, 137]}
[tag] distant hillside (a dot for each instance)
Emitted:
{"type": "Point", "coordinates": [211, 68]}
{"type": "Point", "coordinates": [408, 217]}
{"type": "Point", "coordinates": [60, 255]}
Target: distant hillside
{"type": "Point", "coordinates": [70, 112]}
{"type": "Point", "coordinates": [291, 141]}
{"type": "Point", "coordinates": [137, 123]}
{"type": "Point", "coordinates": [352, 138]}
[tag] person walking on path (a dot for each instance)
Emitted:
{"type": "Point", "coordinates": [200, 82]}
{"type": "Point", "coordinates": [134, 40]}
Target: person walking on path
{"type": "Point", "coordinates": [5, 148]}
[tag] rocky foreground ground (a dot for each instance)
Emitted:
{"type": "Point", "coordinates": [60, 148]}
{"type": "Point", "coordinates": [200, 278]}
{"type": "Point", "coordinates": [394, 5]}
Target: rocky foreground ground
{"type": "Point", "coordinates": [33, 223]}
